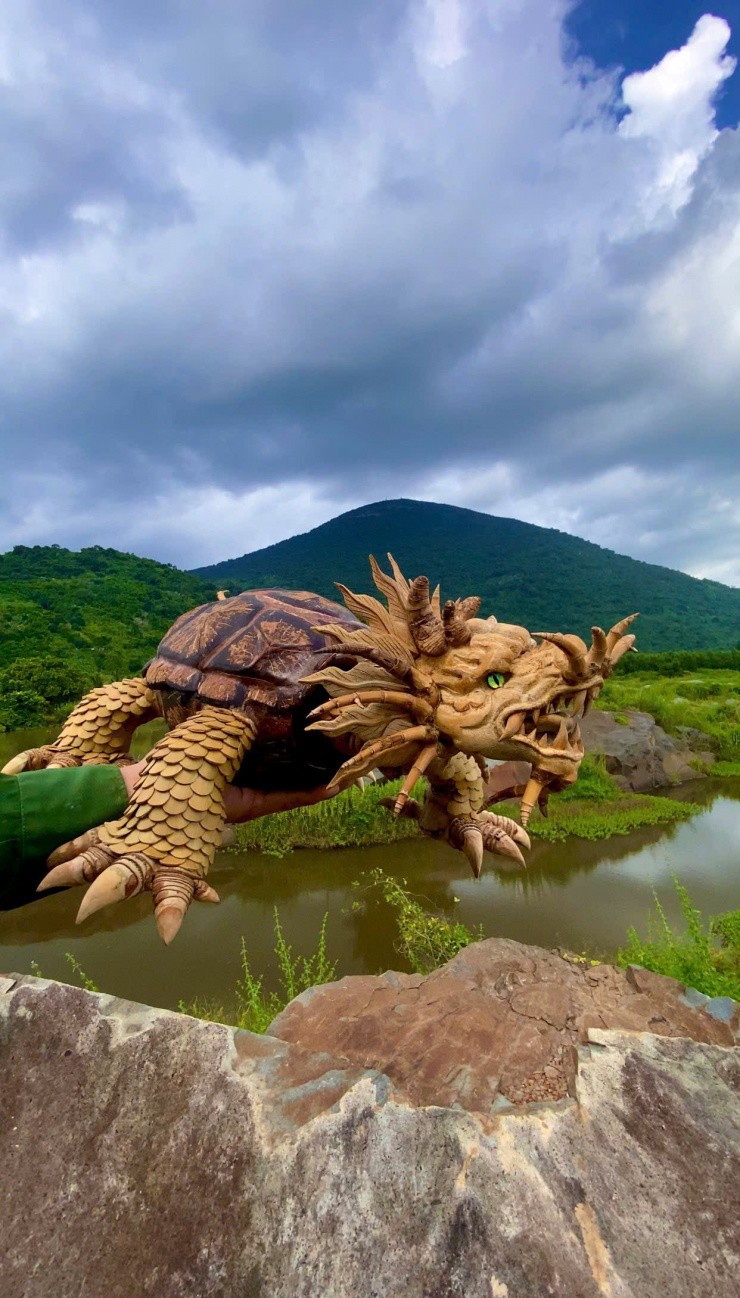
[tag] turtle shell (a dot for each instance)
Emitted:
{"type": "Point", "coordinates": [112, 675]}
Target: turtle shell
{"type": "Point", "coordinates": [252, 648]}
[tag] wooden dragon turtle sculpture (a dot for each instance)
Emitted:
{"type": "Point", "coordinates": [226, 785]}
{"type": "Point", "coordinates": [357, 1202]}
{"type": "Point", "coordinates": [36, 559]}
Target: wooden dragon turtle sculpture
{"type": "Point", "coordinates": [285, 689]}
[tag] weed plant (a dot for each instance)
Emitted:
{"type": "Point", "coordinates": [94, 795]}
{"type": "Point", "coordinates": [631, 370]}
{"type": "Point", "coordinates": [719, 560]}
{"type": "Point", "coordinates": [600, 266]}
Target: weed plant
{"type": "Point", "coordinates": [256, 1008]}
{"type": "Point", "coordinates": [706, 956]}
{"type": "Point", "coordinates": [424, 941]}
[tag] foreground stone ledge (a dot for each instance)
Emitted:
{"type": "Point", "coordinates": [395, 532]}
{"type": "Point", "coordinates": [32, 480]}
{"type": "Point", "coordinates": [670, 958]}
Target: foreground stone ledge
{"type": "Point", "coordinates": [144, 1152]}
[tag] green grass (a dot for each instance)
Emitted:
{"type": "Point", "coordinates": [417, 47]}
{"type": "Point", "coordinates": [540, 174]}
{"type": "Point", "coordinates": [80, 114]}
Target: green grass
{"type": "Point", "coordinates": [354, 818]}
{"type": "Point", "coordinates": [594, 821]}
{"type": "Point", "coordinates": [706, 956]}
{"type": "Point", "coordinates": [594, 783]}
{"type": "Point", "coordinates": [255, 1007]}
{"type": "Point", "coordinates": [726, 768]}
{"type": "Point", "coordinates": [707, 700]}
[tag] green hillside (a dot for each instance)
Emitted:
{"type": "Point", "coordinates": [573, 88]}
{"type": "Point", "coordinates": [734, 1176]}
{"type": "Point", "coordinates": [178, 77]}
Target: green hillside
{"type": "Point", "coordinates": [542, 578]}
{"type": "Point", "coordinates": [71, 620]}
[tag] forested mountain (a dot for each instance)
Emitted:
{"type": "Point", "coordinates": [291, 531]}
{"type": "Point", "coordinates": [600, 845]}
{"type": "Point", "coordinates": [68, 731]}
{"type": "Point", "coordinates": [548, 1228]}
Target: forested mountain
{"type": "Point", "coordinates": [70, 620]}
{"type": "Point", "coordinates": [544, 579]}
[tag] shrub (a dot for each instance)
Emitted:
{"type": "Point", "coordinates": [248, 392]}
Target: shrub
{"type": "Point", "coordinates": [256, 1008]}
{"type": "Point", "coordinates": [425, 941]}
{"type": "Point", "coordinates": [692, 957]}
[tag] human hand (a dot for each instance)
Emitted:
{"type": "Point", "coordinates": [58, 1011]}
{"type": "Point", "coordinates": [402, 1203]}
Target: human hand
{"type": "Point", "coordinates": [247, 804]}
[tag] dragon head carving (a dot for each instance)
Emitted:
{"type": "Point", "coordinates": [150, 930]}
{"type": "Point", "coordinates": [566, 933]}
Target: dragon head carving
{"type": "Point", "coordinates": [431, 681]}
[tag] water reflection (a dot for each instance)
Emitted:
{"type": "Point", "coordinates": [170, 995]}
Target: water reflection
{"type": "Point", "coordinates": [576, 894]}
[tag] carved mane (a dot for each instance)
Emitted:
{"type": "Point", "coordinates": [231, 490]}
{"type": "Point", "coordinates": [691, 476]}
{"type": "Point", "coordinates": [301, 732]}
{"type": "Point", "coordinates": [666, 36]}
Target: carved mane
{"type": "Point", "coordinates": [388, 697]}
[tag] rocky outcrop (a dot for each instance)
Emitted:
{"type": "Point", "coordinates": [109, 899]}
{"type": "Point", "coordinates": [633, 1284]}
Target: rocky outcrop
{"type": "Point", "coordinates": [496, 1026]}
{"type": "Point", "coordinates": [145, 1152]}
{"type": "Point", "coordinates": [639, 754]}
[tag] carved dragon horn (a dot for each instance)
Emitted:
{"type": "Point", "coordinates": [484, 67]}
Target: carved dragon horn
{"type": "Point", "coordinates": [599, 652]}
{"type": "Point", "coordinates": [455, 616]}
{"type": "Point", "coordinates": [425, 626]}
{"type": "Point", "coordinates": [571, 645]}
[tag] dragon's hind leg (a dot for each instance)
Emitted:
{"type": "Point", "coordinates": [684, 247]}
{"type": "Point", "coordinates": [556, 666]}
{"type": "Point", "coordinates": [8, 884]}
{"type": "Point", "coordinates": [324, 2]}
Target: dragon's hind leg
{"type": "Point", "coordinates": [98, 731]}
{"type": "Point", "coordinates": [166, 839]}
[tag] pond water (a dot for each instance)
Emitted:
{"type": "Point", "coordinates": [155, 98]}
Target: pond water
{"type": "Point", "coordinates": [580, 895]}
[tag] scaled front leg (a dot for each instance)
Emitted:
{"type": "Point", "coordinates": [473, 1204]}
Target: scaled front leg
{"type": "Point", "coordinates": [453, 809]}
{"type": "Point", "coordinates": [97, 731]}
{"type": "Point", "coordinates": [166, 839]}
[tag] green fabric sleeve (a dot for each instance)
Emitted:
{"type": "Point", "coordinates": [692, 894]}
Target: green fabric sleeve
{"type": "Point", "coordinates": [41, 809]}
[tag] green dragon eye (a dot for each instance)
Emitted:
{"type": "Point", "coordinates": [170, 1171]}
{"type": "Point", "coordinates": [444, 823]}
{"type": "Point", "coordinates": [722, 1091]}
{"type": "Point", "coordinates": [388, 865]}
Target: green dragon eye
{"type": "Point", "coordinates": [495, 679]}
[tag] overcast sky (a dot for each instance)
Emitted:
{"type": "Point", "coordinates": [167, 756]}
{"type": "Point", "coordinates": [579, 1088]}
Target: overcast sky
{"type": "Point", "coordinates": [262, 262]}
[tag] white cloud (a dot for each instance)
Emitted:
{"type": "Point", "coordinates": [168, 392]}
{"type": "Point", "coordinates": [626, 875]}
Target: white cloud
{"type": "Point", "coordinates": [671, 105]}
{"type": "Point", "coordinates": [254, 273]}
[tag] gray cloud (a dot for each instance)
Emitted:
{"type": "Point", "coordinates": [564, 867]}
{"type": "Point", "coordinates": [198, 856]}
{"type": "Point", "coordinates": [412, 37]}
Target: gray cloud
{"type": "Point", "coordinates": [263, 262]}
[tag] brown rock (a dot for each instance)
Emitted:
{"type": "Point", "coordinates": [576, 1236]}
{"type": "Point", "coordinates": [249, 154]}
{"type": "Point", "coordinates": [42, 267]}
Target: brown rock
{"type": "Point", "coordinates": [487, 1024]}
{"type": "Point", "coordinates": [639, 753]}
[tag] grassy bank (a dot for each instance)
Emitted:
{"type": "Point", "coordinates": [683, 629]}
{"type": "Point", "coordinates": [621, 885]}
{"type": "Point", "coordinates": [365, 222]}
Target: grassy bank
{"type": "Point", "coordinates": [594, 808]}
{"type": "Point", "coordinates": [354, 818]}
{"type": "Point", "coordinates": [706, 700]}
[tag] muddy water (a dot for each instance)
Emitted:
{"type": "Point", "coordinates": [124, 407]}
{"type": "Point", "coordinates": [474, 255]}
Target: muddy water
{"type": "Point", "coordinates": [576, 894]}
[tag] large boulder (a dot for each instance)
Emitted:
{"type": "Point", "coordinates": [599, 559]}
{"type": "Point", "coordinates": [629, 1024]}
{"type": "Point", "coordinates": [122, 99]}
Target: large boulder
{"type": "Point", "coordinates": [497, 1025]}
{"type": "Point", "coordinates": [145, 1152]}
{"type": "Point", "coordinates": [639, 753]}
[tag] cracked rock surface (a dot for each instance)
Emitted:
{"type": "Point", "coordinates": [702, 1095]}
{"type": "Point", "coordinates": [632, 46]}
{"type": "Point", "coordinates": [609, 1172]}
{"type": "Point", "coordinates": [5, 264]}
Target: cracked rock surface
{"type": "Point", "coordinates": [145, 1152]}
{"type": "Point", "coordinates": [498, 1023]}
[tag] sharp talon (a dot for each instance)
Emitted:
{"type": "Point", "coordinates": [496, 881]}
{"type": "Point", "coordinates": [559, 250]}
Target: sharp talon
{"type": "Point", "coordinates": [509, 827]}
{"type": "Point", "coordinates": [16, 764]}
{"type": "Point", "coordinates": [80, 869]}
{"type": "Point", "coordinates": [517, 833]}
{"type": "Point", "coordinates": [173, 890]}
{"type": "Point", "coordinates": [66, 851]}
{"type": "Point", "coordinates": [204, 892]}
{"type": "Point", "coordinates": [168, 920]}
{"type": "Point", "coordinates": [62, 876]}
{"type": "Point", "coordinates": [507, 847]}
{"type": "Point", "coordinates": [122, 879]}
{"type": "Point", "coordinates": [472, 847]}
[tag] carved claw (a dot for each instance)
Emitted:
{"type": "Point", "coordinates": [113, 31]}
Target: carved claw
{"type": "Point", "coordinates": [126, 877]}
{"type": "Point", "coordinates": [204, 892]}
{"type": "Point", "coordinates": [509, 826]}
{"type": "Point", "coordinates": [173, 891]}
{"type": "Point", "coordinates": [473, 850]}
{"type": "Point", "coordinates": [75, 847]}
{"type": "Point", "coordinates": [83, 868]}
{"type": "Point", "coordinates": [33, 759]}
{"type": "Point", "coordinates": [464, 834]}
{"type": "Point", "coordinates": [498, 841]}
